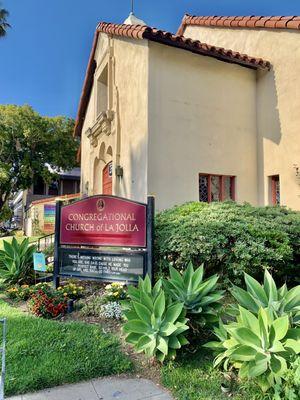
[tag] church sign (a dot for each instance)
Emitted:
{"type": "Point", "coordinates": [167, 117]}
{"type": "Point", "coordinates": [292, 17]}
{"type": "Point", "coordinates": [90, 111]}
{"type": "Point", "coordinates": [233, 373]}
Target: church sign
{"type": "Point", "coordinates": [104, 238]}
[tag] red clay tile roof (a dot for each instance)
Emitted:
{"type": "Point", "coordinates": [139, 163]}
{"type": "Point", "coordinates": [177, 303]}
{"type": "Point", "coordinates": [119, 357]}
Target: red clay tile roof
{"type": "Point", "coordinates": [163, 37]}
{"type": "Point", "coordinates": [252, 21]}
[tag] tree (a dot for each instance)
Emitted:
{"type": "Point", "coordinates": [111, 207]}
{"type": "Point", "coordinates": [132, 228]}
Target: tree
{"type": "Point", "coordinates": [32, 146]}
{"type": "Point", "coordinates": [3, 22]}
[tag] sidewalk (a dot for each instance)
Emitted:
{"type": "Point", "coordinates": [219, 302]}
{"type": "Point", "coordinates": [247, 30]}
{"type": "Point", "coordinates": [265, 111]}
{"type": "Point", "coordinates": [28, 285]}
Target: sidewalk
{"type": "Point", "coordinates": [102, 389]}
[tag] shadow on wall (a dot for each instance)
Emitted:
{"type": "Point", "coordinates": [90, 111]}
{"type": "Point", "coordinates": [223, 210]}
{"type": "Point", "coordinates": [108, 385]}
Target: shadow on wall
{"type": "Point", "coordinates": [268, 124]}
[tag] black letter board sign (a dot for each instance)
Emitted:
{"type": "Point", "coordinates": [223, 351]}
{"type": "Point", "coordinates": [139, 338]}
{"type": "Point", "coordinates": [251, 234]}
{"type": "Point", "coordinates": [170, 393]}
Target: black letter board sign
{"type": "Point", "coordinates": [104, 238]}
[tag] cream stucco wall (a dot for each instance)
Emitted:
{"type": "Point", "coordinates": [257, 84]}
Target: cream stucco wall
{"type": "Point", "coordinates": [278, 102]}
{"type": "Point", "coordinates": [125, 136]}
{"type": "Point", "coordinates": [202, 119]}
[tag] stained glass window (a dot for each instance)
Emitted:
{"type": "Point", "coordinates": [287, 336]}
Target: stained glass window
{"type": "Point", "coordinates": [216, 187]}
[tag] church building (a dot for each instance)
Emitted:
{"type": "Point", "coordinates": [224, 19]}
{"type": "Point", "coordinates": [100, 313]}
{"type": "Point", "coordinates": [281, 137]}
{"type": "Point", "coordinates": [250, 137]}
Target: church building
{"type": "Point", "coordinates": [209, 114]}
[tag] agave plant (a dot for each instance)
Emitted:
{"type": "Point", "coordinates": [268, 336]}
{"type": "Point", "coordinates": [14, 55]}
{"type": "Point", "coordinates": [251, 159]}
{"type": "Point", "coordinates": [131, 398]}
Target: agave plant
{"type": "Point", "coordinates": [259, 347]}
{"type": "Point", "coordinates": [16, 262]}
{"type": "Point", "coordinates": [281, 301]}
{"type": "Point", "coordinates": [201, 298]}
{"type": "Point", "coordinates": [156, 326]}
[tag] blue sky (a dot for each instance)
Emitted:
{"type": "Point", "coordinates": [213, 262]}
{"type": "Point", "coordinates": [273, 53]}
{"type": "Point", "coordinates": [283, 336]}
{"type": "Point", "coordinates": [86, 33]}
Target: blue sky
{"type": "Point", "coordinates": [44, 57]}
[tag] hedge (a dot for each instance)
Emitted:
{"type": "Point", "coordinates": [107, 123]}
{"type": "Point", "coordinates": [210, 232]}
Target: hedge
{"type": "Point", "coordinates": [230, 238]}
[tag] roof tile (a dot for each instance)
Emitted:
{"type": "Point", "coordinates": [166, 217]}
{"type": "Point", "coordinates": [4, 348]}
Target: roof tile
{"type": "Point", "coordinates": [254, 22]}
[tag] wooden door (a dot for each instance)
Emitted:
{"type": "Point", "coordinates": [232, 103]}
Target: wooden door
{"type": "Point", "coordinates": [107, 179]}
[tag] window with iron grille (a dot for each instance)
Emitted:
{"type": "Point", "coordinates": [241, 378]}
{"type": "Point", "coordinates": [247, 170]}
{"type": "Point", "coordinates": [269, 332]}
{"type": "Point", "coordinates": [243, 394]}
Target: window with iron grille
{"type": "Point", "coordinates": [216, 187]}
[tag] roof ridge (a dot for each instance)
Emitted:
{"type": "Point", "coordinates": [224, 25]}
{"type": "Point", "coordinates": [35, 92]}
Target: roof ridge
{"type": "Point", "coordinates": [241, 21]}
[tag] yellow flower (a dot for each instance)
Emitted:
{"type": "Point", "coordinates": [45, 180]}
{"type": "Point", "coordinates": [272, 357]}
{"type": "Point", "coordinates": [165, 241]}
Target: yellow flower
{"type": "Point", "coordinates": [116, 294]}
{"type": "Point", "coordinates": [80, 287]}
{"type": "Point", "coordinates": [74, 292]}
{"type": "Point", "coordinates": [65, 294]}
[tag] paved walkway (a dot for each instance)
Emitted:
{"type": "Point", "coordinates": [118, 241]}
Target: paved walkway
{"type": "Point", "coordinates": [102, 389]}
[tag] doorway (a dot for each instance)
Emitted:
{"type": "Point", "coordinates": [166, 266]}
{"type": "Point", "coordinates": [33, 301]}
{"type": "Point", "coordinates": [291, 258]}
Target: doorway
{"type": "Point", "coordinates": [107, 179]}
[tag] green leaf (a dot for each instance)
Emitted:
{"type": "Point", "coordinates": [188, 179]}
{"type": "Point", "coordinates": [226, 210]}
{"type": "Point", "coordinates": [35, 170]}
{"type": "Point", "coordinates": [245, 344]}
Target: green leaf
{"type": "Point", "coordinates": [281, 326]}
{"type": "Point", "coordinates": [174, 343]}
{"type": "Point", "coordinates": [136, 326]}
{"type": "Point", "coordinates": [243, 353]}
{"type": "Point", "coordinates": [244, 299]}
{"type": "Point", "coordinates": [142, 311]}
{"type": "Point", "coordinates": [293, 344]}
{"type": "Point", "coordinates": [175, 276]}
{"type": "Point", "coordinates": [197, 277]}
{"type": "Point", "coordinates": [167, 329]}
{"type": "Point", "coordinates": [133, 338]}
{"type": "Point", "coordinates": [162, 345]}
{"type": "Point", "coordinates": [256, 290]}
{"type": "Point", "coordinates": [159, 305]}
{"type": "Point", "coordinates": [245, 336]}
{"type": "Point", "coordinates": [173, 312]}
{"type": "Point", "coordinates": [249, 320]}
{"type": "Point", "coordinates": [257, 368]}
{"type": "Point", "coordinates": [278, 365]}
{"type": "Point", "coordinates": [270, 287]}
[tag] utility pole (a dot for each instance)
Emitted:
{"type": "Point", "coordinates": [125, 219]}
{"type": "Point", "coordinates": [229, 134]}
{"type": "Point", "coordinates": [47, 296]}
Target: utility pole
{"type": "Point", "coordinates": [132, 6]}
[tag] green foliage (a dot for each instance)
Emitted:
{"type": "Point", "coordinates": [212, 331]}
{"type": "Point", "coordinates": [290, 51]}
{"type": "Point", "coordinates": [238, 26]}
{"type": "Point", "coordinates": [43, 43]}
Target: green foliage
{"type": "Point", "coordinates": [201, 298]}
{"type": "Point", "coordinates": [156, 325]}
{"type": "Point", "coordinates": [29, 145]}
{"type": "Point", "coordinates": [289, 389]}
{"type": "Point", "coordinates": [229, 239]}
{"type": "Point", "coordinates": [280, 301]}
{"type": "Point", "coordinates": [16, 262]}
{"type": "Point", "coordinates": [260, 347]}
{"type": "Point", "coordinates": [91, 306]}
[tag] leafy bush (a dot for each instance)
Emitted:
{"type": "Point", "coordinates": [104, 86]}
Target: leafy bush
{"type": "Point", "coordinates": [156, 325]}
{"type": "Point", "coordinates": [16, 262]}
{"type": "Point", "coordinates": [230, 239]}
{"type": "Point", "coordinates": [280, 301]}
{"type": "Point", "coordinates": [259, 347]}
{"type": "Point", "coordinates": [201, 298]}
{"type": "Point", "coordinates": [47, 303]}
{"type": "Point", "coordinates": [289, 389]}
{"type": "Point", "coordinates": [91, 307]}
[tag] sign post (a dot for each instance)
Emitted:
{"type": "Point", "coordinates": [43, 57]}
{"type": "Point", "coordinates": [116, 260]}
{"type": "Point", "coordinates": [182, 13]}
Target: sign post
{"type": "Point", "coordinates": [57, 244]}
{"type": "Point", "coordinates": [104, 238]}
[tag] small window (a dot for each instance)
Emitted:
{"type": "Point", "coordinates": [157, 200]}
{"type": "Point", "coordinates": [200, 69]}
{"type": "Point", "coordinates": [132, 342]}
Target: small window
{"type": "Point", "coordinates": [216, 188]}
{"type": "Point", "coordinates": [275, 190]}
{"type": "Point", "coordinates": [102, 92]}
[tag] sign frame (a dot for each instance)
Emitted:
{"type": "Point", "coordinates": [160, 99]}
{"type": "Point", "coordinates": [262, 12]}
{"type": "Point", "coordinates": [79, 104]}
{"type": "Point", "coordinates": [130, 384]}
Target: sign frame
{"type": "Point", "coordinates": [146, 251]}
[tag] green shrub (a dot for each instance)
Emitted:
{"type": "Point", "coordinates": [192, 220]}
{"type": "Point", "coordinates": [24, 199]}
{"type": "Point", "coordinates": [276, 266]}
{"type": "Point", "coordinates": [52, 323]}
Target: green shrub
{"type": "Point", "coordinates": [281, 301]}
{"type": "Point", "coordinates": [289, 389]}
{"type": "Point", "coordinates": [201, 298]}
{"type": "Point", "coordinates": [16, 262]}
{"type": "Point", "coordinates": [260, 348]}
{"type": "Point", "coordinates": [230, 239]}
{"type": "Point", "coordinates": [91, 306]}
{"type": "Point", "coordinates": [155, 325]}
